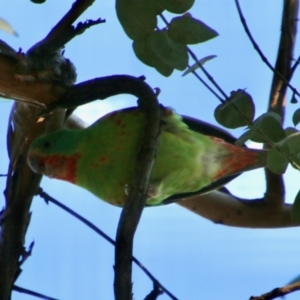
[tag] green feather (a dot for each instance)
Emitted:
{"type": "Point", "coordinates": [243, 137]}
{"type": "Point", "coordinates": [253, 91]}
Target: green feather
{"type": "Point", "coordinates": [101, 158]}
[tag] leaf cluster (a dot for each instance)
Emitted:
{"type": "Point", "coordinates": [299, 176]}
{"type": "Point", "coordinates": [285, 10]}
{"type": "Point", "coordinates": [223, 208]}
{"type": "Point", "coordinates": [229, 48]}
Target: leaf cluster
{"type": "Point", "coordinates": [163, 49]}
{"type": "Point", "coordinates": [239, 111]}
{"type": "Point", "coordinates": [284, 143]}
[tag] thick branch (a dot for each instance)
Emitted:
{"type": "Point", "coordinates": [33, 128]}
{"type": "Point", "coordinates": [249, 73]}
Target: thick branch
{"type": "Point", "coordinates": [24, 126]}
{"type": "Point", "coordinates": [225, 209]}
{"type": "Point", "coordinates": [22, 185]}
{"type": "Point", "coordinates": [275, 186]}
{"type": "Point", "coordinates": [102, 88]}
{"type": "Point", "coordinates": [135, 203]}
{"type": "Point", "coordinates": [35, 93]}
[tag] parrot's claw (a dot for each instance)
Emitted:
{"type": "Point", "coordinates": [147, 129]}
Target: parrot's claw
{"type": "Point", "coordinates": [127, 189]}
{"type": "Point", "coordinates": [153, 191]}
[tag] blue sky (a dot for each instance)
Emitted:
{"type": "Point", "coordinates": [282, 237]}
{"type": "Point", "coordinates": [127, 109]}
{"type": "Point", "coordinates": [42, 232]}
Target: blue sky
{"type": "Point", "coordinates": [191, 256]}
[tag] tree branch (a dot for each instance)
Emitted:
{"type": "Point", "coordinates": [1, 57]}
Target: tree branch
{"type": "Point", "coordinates": [21, 186]}
{"type": "Point", "coordinates": [278, 292]}
{"type": "Point", "coordinates": [90, 225]}
{"type": "Point", "coordinates": [101, 88]}
{"type": "Point", "coordinates": [136, 200]}
{"type": "Point", "coordinates": [63, 31]}
{"type": "Point", "coordinates": [289, 6]}
{"type": "Point", "coordinates": [275, 191]}
{"type": "Point", "coordinates": [270, 211]}
{"type": "Point", "coordinates": [32, 293]}
{"type": "Point", "coordinates": [226, 209]}
{"type": "Point", "coordinates": [25, 126]}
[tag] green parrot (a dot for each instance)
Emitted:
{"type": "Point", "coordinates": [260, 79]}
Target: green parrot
{"type": "Point", "coordinates": [101, 157]}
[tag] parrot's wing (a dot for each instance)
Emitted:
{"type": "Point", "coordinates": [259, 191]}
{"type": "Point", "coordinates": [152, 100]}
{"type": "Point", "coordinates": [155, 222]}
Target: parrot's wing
{"type": "Point", "coordinates": [211, 130]}
{"type": "Point", "coordinates": [208, 129]}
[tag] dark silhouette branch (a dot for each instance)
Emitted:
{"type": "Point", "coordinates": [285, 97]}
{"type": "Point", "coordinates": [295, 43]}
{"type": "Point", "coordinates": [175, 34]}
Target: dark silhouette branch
{"type": "Point", "coordinates": [31, 293]}
{"type": "Point", "coordinates": [96, 229]}
{"type": "Point", "coordinates": [287, 5]}
{"type": "Point", "coordinates": [155, 293]}
{"type": "Point", "coordinates": [275, 192]}
{"type": "Point", "coordinates": [21, 186]}
{"type": "Point", "coordinates": [102, 88]}
{"type": "Point", "coordinates": [136, 200]}
{"type": "Point", "coordinates": [63, 31]}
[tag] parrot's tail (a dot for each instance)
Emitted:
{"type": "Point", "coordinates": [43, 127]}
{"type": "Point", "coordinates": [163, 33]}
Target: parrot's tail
{"type": "Point", "coordinates": [240, 159]}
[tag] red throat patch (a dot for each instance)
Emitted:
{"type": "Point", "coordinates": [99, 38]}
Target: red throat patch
{"type": "Point", "coordinates": [65, 166]}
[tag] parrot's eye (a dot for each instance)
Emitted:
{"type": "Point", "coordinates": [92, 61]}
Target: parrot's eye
{"type": "Point", "coordinates": [47, 145]}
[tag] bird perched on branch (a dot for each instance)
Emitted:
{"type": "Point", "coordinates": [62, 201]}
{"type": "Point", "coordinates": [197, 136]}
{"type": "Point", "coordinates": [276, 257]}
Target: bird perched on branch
{"type": "Point", "coordinates": [101, 158]}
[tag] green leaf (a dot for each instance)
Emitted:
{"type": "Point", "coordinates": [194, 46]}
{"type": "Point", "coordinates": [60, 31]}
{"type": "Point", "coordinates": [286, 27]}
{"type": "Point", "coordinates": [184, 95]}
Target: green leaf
{"type": "Point", "coordinates": [177, 6]}
{"type": "Point", "coordinates": [154, 5]}
{"type": "Point", "coordinates": [38, 1]}
{"type": "Point", "coordinates": [196, 65]}
{"type": "Point", "coordinates": [138, 18]}
{"type": "Point", "coordinates": [295, 215]}
{"type": "Point", "coordinates": [170, 52]}
{"type": "Point", "coordinates": [269, 125]}
{"type": "Point", "coordinates": [275, 161]}
{"type": "Point", "coordinates": [187, 30]}
{"type": "Point", "coordinates": [145, 53]}
{"type": "Point", "coordinates": [290, 145]}
{"type": "Point", "coordinates": [296, 117]}
{"type": "Point", "coordinates": [293, 142]}
{"type": "Point", "coordinates": [263, 125]}
{"type": "Point", "coordinates": [235, 112]}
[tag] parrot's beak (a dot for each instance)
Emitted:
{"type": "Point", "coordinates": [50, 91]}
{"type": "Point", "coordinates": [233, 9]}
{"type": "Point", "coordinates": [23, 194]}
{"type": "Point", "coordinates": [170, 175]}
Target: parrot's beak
{"type": "Point", "coordinates": [36, 163]}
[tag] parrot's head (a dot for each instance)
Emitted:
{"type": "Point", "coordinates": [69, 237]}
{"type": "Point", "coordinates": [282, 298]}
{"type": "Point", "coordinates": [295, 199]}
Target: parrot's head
{"type": "Point", "coordinates": [55, 155]}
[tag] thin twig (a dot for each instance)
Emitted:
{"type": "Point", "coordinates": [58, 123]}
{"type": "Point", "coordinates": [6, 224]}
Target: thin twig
{"type": "Point", "coordinates": [256, 47]}
{"type": "Point", "coordinates": [63, 27]}
{"type": "Point", "coordinates": [210, 78]}
{"type": "Point", "coordinates": [66, 36]}
{"type": "Point", "coordinates": [96, 229]}
{"type": "Point", "coordinates": [207, 86]}
{"type": "Point", "coordinates": [294, 67]}
{"type": "Point", "coordinates": [32, 293]}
